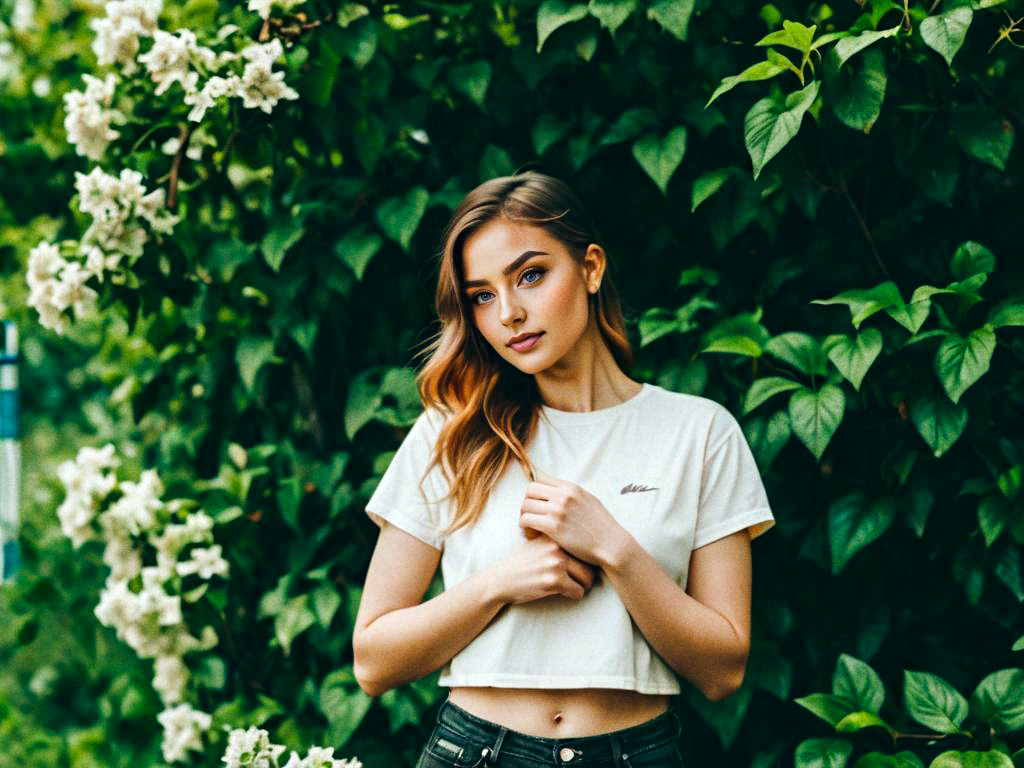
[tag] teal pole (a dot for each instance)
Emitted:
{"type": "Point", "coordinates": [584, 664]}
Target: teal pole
{"type": "Point", "coordinates": [10, 450]}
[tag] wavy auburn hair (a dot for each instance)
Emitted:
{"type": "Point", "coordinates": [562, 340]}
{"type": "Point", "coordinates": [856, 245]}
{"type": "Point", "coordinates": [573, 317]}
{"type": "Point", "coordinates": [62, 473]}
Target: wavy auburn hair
{"type": "Point", "coordinates": [492, 405]}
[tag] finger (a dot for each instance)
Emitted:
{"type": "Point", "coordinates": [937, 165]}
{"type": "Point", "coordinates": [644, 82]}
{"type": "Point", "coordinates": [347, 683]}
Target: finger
{"type": "Point", "coordinates": [541, 491]}
{"type": "Point", "coordinates": [543, 477]}
{"type": "Point", "coordinates": [572, 588]}
{"type": "Point", "coordinates": [534, 521]}
{"type": "Point", "coordinates": [581, 573]}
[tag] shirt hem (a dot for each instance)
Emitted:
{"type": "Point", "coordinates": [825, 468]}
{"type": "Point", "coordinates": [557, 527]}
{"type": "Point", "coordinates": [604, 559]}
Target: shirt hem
{"type": "Point", "coordinates": [547, 681]}
{"type": "Point", "coordinates": [752, 518]}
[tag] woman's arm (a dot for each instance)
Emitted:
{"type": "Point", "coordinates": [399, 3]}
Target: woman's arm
{"type": "Point", "coordinates": [703, 633]}
{"type": "Point", "coordinates": [397, 639]}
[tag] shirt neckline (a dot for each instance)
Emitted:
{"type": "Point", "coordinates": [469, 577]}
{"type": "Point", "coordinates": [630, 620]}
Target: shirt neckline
{"type": "Point", "coordinates": [570, 418]}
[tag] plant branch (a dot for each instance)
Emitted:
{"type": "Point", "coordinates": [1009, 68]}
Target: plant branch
{"type": "Point", "coordinates": [172, 185]}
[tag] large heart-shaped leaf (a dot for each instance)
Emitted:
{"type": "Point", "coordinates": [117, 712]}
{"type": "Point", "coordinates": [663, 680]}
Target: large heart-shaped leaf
{"type": "Point", "coordinates": [772, 123]}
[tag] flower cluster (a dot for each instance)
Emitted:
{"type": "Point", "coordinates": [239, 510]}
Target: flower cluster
{"type": "Point", "coordinates": [118, 205]}
{"type": "Point", "coordinates": [151, 547]}
{"type": "Point", "coordinates": [252, 748]}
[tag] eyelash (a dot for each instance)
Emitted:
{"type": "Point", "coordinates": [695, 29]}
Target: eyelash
{"type": "Point", "coordinates": [539, 270]}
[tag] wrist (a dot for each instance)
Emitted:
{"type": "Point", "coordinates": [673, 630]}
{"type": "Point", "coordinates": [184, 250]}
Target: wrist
{"type": "Point", "coordinates": [617, 551]}
{"type": "Point", "coordinates": [491, 589]}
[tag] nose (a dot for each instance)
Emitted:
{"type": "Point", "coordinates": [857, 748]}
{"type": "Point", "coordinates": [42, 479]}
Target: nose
{"type": "Point", "coordinates": [511, 309]}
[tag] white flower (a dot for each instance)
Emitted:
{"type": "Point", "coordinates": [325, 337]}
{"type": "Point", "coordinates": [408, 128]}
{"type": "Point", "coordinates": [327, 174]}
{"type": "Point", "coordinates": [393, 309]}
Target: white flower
{"type": "Point", "coordinates": [123, 558]}
{"type": "Point", "coordinates": [169, 679]}
{"type": "Point", "coordinates": [88, 116]}
{"type": "Point", "coordinates": [262, 7]}
{"type": "Point", "coordinates": [183, 730]}
{"type": "Point", "coordinates": [117, 36]}
{"type": "Point", "coordinates": [251, 749]}
{"type": "Point", "coordinates": [207, 563]}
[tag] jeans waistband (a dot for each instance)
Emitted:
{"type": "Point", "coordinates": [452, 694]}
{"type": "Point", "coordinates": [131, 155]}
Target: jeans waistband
{"type": "Point", "coordinates": [578, 751]}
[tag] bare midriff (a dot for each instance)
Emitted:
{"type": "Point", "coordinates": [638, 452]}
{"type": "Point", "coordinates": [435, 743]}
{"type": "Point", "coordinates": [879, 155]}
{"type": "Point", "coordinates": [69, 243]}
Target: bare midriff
{"type": "Point", "coordinates": [558, 713]}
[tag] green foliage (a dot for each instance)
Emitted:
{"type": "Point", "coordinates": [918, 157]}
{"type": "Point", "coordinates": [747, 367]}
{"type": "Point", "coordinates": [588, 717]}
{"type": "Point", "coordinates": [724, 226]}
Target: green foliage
{"type": "Point", "coordinates": [831, 250]}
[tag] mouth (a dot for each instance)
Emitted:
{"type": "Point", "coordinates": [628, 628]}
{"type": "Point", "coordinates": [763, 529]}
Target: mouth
{"type": "Point", "coordinates": [524, 342]}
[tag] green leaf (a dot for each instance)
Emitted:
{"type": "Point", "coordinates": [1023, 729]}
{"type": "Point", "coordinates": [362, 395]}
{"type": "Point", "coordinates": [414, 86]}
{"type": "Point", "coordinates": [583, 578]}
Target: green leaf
{"type": "Point", "coordinates": [858, 92]}
{"type": "Point", "coordinates": [660, 156]}
{"type": "Point", "coordinates": [343, 704]}
{"type": "Point", "coordinates": [850, 46]}
{"type": "Point", "coordinates": [857, 721]}
{"type": "Point", "coordinates": [960, 361]}
{"type": "Point", "coordinates": [933, 702]}
{"type": "Point", "coordinates": [939, 422]}
{"type": "Point", "coordinates": [294, 619]}
{"type": "Point", "coordinates": [553, 14]}
{"type": "Point", "coordinates": [770, 125]}
{"type": "Point", "coordinates": [326, 602]}
{"type": "Point", "coordinates": [799, 350]}
{"type": "Point", "coordinates": [854, 522]}
{"type": "Point", "coordinates": [998, 701]}
{"type": "Point", "coordinates": [282, 236]}
{"type": "Point", "coordinates": [815, 416]}
{"type": "Point", "coordinates": [953, 759]}
{"type": "Point", "coordinates": [655, 323]}
{"type": "Point", "coordinates": [471, 80]}
{"type": "Point", "coordinates": [612, 13]}
{"type": "Point", "coordinates": [400, 216]}
{"type": "Point", "coordinates": [993, 515]}
{"type": "Point", "coordinates": [829, 707]}
{"type": "Point", "coordinates": [945, 32]}
{"type": "Point", "coordinates": [629, 125]}
{"type": "Point", "coordinates": [903, 759]}
{"type": "Point", "coordinates": [673, 16]}
{"type": "Point", "coordinates": [856, 681]}
{"type": "Point", "coordinates": [865, 302]}
{"type": "Point", "coordinates": [853, 357]}
{"type": "Point", "coordinates": [1008, 570]}
{"type": "Point", "coordinates": [984, 134]}
{"type": "Point", "coordinates": [971, 259]}
{"type": "Point", "coordinates": [736, 345]}
{"type": "Point", "coordinates": [357, 248]}
{"type": "Point", "coordinates": [767, 437]}
{"type": "Point", "coordinates": [763, 70]}
{"type": "Point", "coordinates": [792, 35]}
{"type": "Point", "coordinates": [1006, 314]}
{"type": "Point", "coordinates": [548, 131]}
{"type": "Point", "coordinates": [763, 389]}
{"type": "Point", "coordinates": [708, 183]}
{"type": "Point", "coordinates": [363, 401]}
{"type": "Point", "coordinates": [251, 355]}
{"type": "Point", "coordinates": [822, 753]}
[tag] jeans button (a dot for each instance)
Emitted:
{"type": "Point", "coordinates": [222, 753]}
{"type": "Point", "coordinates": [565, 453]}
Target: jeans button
{"type": "Point", "coordinates": [566, 754]}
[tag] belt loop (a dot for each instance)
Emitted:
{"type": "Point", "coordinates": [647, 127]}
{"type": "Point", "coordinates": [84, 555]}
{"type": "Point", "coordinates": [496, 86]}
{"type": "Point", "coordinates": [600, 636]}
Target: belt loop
{"type": "Point", "coordinates": [491, 755]}
{"type": "Point", "coordinates": [617, 753]}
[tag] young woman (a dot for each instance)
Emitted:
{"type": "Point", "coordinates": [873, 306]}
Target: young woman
{"type": "Point", "coordinates": [593, 531]}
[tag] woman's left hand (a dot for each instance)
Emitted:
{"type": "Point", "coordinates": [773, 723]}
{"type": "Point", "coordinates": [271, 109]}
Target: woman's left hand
{"type": "Point", "coordinates": [571, 516]}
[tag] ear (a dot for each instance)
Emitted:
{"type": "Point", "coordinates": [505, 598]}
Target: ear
{"type": "Point", "coordinates": [594, 263]}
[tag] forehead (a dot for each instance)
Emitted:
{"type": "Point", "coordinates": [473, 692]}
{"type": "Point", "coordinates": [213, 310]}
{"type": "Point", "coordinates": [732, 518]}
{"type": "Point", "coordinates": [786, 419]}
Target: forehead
{"type": "Point", "coordinates": [487, 249]}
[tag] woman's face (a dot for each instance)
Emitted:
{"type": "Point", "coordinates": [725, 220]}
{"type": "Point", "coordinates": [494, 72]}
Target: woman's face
{"type": "Point", "coordinates": [520, 279]}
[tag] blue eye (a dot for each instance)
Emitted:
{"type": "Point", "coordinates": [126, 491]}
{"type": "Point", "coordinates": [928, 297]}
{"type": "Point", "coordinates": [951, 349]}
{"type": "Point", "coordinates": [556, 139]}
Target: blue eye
{"type": "Point", "coordinates": [533, 270]}
{"type": "Point", "coordinates": [539, 271]}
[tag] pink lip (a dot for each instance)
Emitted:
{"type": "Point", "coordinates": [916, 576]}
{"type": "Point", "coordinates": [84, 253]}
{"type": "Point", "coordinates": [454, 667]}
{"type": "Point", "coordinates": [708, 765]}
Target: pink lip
{"type": "Point", "coordinates": [527, 343]}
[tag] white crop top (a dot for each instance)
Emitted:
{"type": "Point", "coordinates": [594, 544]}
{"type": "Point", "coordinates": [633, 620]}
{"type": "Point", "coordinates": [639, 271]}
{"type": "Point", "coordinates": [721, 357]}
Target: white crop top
{"type": "Point", "coordinates": [705, 485]}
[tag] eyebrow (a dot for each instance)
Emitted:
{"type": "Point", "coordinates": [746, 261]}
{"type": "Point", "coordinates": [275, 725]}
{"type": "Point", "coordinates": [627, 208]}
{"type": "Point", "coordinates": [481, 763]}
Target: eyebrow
{"type": "Point", "coordinates": [519, 261]}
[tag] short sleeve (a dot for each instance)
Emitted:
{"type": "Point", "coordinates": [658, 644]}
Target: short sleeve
{"type": "Point", "coordinates": [732, 494]}
{"type": "Point", "coordinates": [400, 499]}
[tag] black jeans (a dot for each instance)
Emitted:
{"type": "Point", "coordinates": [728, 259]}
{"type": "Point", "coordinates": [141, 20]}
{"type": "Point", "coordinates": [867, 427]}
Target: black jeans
{"type": "Point", "coordinates": [463, 740]}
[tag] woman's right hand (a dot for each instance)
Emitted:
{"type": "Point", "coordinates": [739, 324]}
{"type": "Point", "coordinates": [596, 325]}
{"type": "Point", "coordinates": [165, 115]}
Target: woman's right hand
{"type": "Point", "coordinates": [540, 568]}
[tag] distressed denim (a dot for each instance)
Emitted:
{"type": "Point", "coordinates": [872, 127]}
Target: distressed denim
{"type": "Point", "coordinates": [463, 740]}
